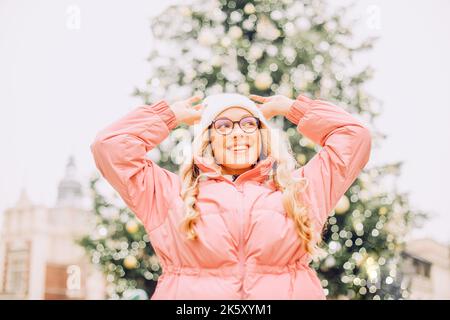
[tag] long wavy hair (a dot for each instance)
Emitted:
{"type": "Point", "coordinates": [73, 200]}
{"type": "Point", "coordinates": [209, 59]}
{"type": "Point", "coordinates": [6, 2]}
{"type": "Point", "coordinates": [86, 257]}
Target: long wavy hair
{"type": "Point", "coordinates": [273, 145]}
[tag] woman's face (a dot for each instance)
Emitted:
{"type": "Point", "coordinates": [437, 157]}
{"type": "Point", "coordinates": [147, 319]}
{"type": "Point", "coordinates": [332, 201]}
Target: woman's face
{"type": "Point", "coordinates": [239, 149]}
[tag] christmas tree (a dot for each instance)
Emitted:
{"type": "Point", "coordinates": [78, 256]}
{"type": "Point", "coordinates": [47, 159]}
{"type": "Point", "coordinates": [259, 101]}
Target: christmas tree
{"type": "Point", "coordinates": [120, 246]}
{"type": "Point", "coordinates": [272, 47]}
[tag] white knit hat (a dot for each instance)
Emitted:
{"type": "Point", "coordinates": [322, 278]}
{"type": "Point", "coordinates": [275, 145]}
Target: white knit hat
{"type": "Point", "coordinates": [216, 103]}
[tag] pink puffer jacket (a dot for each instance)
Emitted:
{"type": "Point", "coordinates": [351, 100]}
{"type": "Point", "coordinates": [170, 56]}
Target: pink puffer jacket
{"type": "Point", "coordinates": [247, 248]}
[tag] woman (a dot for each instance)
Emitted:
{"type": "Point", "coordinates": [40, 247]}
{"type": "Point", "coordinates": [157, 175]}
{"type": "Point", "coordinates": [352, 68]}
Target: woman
{"type": "Point", "coordinates": [241, 221]}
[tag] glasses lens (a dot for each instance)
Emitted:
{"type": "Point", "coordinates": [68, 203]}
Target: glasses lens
{"type": "Point", "coordinates": [248, 124]}
{"type": "Point", "coordinates": [223, 126]}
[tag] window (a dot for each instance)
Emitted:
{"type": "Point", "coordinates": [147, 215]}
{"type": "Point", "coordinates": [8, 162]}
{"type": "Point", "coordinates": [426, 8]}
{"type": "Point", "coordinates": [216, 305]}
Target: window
{"type": "Point", "coordinates": [17, 270]}
{"type": "Point", "coordinates": [422, 268]}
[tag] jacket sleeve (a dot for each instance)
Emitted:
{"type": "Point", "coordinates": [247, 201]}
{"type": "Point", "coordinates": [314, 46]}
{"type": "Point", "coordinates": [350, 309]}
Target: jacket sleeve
{"type": "Point", "coordinates": [346, 145]}
{"type": "Point", "coordinates": [119, 152]}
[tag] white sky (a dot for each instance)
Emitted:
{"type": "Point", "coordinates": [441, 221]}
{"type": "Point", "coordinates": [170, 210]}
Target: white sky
{"type": "Point", "coordinates": [59, 86]}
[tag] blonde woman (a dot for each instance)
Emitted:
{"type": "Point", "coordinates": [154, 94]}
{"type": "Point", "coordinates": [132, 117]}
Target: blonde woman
{"type": "Point", "coordinates": [241, 220]}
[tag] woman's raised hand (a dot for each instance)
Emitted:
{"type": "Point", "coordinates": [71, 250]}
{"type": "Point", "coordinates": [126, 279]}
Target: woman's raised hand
{"type": "Point", "coordinates": [273, 105]}
{"type": "Point", "coordinates": [187, 113]}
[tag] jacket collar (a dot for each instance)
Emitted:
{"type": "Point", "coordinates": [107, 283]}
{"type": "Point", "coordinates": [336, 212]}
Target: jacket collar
{"type": "Point", "coordinates": [259, 172]}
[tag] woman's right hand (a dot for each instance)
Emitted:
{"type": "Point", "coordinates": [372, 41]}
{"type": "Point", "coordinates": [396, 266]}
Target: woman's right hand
{"type": "Point", "coordinates": [185, 112]}
{"type": "Point", "coordinates": [274, 105]}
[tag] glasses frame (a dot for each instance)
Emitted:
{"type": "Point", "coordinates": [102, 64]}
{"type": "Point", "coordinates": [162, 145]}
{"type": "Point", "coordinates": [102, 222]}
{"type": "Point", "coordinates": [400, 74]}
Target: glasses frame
{"type": "Point", "coordinates": [234, 122]}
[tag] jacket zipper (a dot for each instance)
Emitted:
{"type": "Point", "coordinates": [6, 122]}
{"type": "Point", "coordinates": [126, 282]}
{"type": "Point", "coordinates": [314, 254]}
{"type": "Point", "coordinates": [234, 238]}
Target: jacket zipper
{"type": "Point", "coordinates": [241, 242]}
{"type": "Point", "coordinates": [239, 187]}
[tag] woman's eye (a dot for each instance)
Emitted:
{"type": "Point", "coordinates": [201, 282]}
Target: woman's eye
{"type": "Point", "coordinates": [223, 125]}
{"type": "Point", "coordinates": [249, 123]}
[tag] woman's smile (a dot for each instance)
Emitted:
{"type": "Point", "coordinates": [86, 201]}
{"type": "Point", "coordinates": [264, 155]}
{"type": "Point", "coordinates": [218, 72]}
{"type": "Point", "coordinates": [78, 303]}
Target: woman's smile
{"type": "Point", "coordinates": [240, 148]}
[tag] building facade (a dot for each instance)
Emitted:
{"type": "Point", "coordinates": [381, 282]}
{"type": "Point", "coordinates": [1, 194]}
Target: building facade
{"type": "Point", "coordinates": [427, 269]}
{"type": "Point", "coordinates": [39, 256]}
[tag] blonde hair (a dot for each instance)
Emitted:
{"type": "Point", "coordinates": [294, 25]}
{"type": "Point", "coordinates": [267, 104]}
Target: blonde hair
{"type": "Point", "coordinates": [274, 146]}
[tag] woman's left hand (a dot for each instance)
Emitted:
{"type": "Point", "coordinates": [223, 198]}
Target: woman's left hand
{"type": "Point", "coordinates": [273, 105]}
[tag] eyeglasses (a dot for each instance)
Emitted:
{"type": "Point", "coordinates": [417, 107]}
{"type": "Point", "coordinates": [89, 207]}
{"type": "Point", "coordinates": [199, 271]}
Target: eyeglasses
{"type": "Point", "coordinates": [225, 126]}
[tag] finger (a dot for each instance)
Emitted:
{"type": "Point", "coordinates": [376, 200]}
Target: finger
{"type": "Point", "coordinates": [265, 109]}
{"type": "Point", "coordinates": [195, 98]}
{"type": "Point", "coordinates": [258, 98]}
{"type": "Point", "coordinates": [198, 106]}
{"type": "Point", "coordinates": [196, 114]}
{"type": "Point", "coordinates": [196, 110]}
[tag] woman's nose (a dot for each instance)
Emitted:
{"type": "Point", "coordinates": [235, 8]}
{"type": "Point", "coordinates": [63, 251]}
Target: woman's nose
{"type": "Point", "coordinates": [236, 130]}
